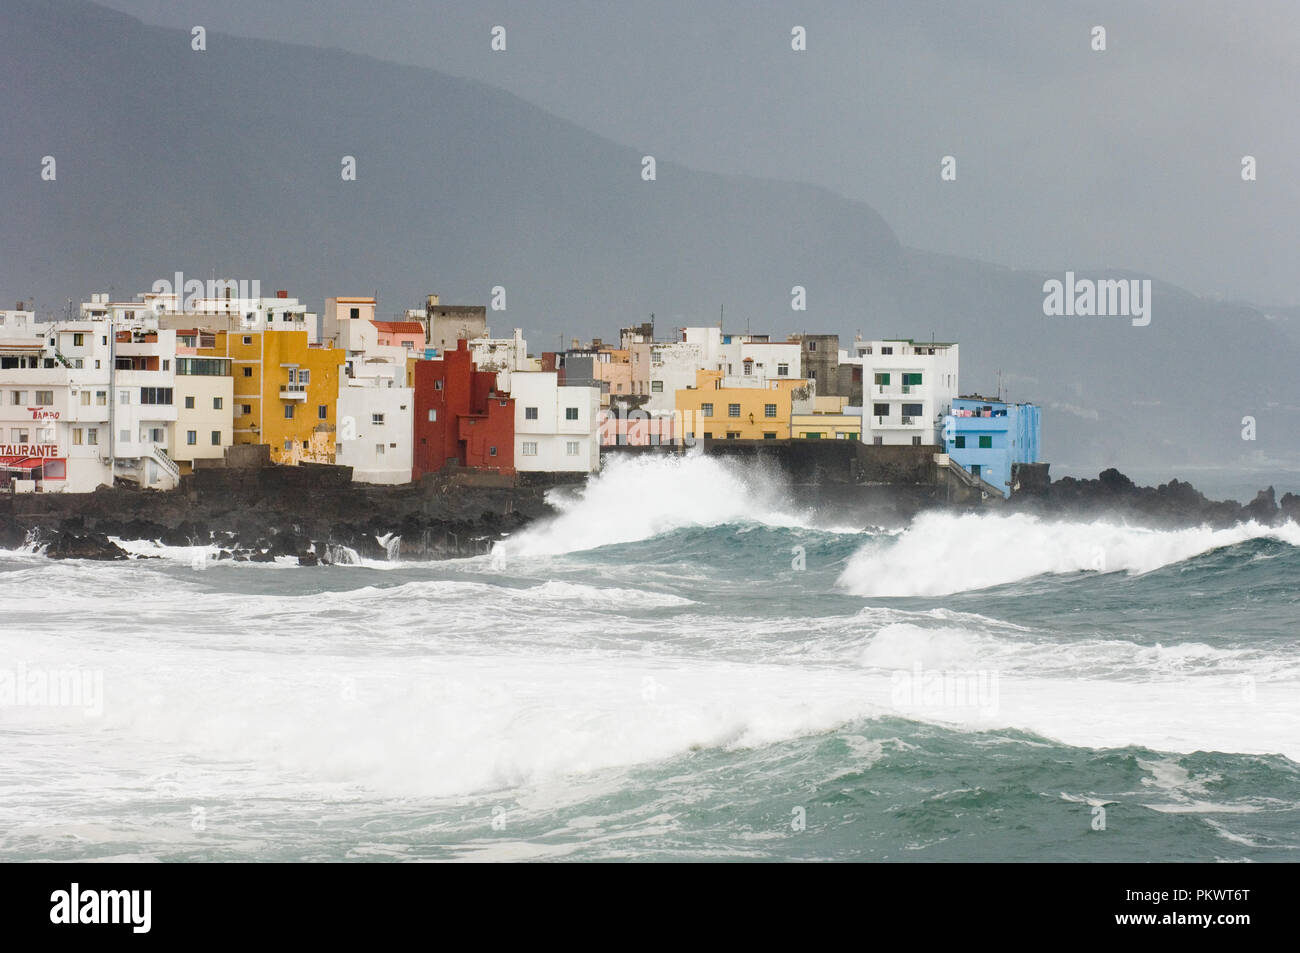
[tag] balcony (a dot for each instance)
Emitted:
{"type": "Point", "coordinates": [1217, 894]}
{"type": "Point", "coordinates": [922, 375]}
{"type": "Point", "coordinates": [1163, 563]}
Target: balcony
{"type": "Point", "coordinates": [293, 391]}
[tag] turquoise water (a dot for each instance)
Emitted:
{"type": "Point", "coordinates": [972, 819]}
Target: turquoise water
{"type": "Point", "coordinates": [686, 664]}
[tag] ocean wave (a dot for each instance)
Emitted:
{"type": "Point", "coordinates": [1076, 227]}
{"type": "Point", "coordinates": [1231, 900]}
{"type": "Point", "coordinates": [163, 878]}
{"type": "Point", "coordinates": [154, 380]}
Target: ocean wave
{"type": "Point", "coordinates": [941, 554]}
{"type": "Point", "coordinates": [636, 499]}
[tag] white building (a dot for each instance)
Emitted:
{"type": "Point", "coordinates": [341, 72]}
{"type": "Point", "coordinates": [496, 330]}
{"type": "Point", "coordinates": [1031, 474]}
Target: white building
{"type": "Point", "coordinates": [907, 388]}
{"type": "Point", "coordinates": [749, 356]}
{"type": "Point", "coordinates": [376, 421]}
{"type": "Point", "coordinates": [502, 355]}
{"type": "Point", "coordinates": [224, 313]}
{"type": "Point", "coordinates": [86, 401]}
{"type": "Point", "coordinates": [555, 425]}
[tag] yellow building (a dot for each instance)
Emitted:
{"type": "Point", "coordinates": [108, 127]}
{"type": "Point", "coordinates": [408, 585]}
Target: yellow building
{"type": "Point", "coordinates": [204, 399]}
{"type": "Point", "coordinates": [716, 409]}
{"type": "Point", "coordinates": [827, 421]}
{"type": "Point", "coordinates": [285, 393]}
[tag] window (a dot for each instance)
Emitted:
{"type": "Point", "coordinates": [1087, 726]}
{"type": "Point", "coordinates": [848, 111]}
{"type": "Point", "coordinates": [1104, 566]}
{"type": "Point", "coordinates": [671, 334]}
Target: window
{"type": "Point", "coordinates": [124, 436]}
{"type": "Point", "coordinates": [78, 339]}
{"type": "Point", "coordinates": [77, 436]}
{"type": "Point", "coordinates": [124, 397]}
{"type": "Point", "coordinates": [167, 364]}
{"type": "Point", "coordinates": [304, 376]}
{"type": "Point", "coordinates": [656, 387]}
{"type": "Point", "coordinates": [189, 403]}
{"type": "Point", "coordinates": [492, 451]}
{"type": "Point", "coordinates": [878, 441]}
{"type": "Point", "coordinates": [155, 395]}
{"type": "Point", "coordinates": [882, 380]}
{"type": "Point", "coordinates": [20, 435]}
{"type": "Point", "coordinates": [749, 368]}
{"type": "Point", "coordinates": [92, 436]}
{"type": "Point", "coordinates": [354, 313]}
{"type": "Point", "coordinates": [812, 345]}
{"type": "Point", "coordinates": [377, 419]}
{"type": "Point", "coordinates": [216, 438]}
{"type": "Point", "coordinates": [157, 434]}
{"type": "Point", "coordinates": [85, 397]}
{"type": "Point", "coordinates": [288, 411]}
{"type": "Point", "coordinates": [101, 398]}
{"type": "Point", "coordinates": [769, 435]}
{"type": "Point", "coordinates": [246, 408]}
{"type": "Point", "coordinates": [816, 435]}
{"type": "Point", "coordinates": [529, 448]}
{"type": "Point", "coordinates": [570, 413]}
{"type": "Point", "coordinates": [288, 445]}
{"type": "Point", "coordinates": [571, 448]}
{"type": "Point", "coordinates": [191, 437]}
{"type": "Point", "coordinates": [248, 339]}
{"type": "Point", "coordinates": [880, 410]}
{"type": "Point", "coordinates": [530, 413]}
{"type": "Point", "coordinates": [986, 443]}
{"type": "Point", "coordinates": [782, 370]}
{"type": "Point", "coordinates": [437, 385]}
{"type": "Point", "coordinates": [886, 350]}
{"type": "Point", "coordinates": [733, 410]}
{"type": "Point", "coordinates": [769, 410]}
{"type": "Point", "coordinates": [19, 397]}
{"type": "Point", "coordinates": [433, 414]}
{"type": "Point", "coordinates": [322, 411]}
{"type": "Point", "coordinates": [959, 443]}
{"type": "Point", "coordinates": [379, 449]}
{"type": "Point", "coordinates": [96, 365]}
{"type": "Point", "coordinates": [216, 403]}
{"type": "Point", "coordinates": [911, 379]}
{"type": "Point", "coordinates": [248, 372]}
{"type": "Point", "coordinates": [706, 410]}
{"type": "Point", "coordinates": [45, 398]}
{"type": "Point", "coordinates": [912, 410]}
{"type": "Point", "coordinates": [708, 435]}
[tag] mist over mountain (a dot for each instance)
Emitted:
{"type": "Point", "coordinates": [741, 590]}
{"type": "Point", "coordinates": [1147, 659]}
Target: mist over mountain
{"type": "Point", "coordinates": [228, 161]}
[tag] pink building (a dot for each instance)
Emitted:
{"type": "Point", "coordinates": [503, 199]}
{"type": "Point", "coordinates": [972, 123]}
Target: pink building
{"type": "Point", "coordinates": [636, 429]}
{"type": "Point", "coordinates": [408, 334]}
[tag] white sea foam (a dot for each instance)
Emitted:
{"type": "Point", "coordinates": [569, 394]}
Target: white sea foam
{"type": "Point", "coordinates": [941, 553]}
{"type": "Point", "coordinates": [639, 498]}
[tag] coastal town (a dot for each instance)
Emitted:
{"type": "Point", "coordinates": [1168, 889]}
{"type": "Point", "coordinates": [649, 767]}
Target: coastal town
{"type": "Point", "coordinates": [143, 392]}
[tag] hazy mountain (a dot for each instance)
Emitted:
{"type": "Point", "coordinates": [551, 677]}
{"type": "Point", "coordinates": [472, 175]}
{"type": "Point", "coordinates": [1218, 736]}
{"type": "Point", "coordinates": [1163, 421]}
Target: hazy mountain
{"type": "Point", "coordinates": [229, 161]}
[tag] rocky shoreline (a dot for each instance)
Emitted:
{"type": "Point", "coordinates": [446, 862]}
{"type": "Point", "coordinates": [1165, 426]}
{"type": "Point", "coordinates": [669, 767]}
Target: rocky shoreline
{"type": "Point", "coordinates": [320, 517]}
{"type": "Point", "coordinates": [315, 515]}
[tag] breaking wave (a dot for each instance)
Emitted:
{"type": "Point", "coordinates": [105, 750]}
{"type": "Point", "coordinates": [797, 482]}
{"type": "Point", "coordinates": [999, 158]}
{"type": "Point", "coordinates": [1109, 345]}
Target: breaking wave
{"type": "Point", "coordinates": [940, 554]}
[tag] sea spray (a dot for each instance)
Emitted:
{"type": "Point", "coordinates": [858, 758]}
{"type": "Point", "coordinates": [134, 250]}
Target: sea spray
{"type": "Point", "coordinates": [942, 553]}
{"type": "Point", "coordinates": [635, 499]}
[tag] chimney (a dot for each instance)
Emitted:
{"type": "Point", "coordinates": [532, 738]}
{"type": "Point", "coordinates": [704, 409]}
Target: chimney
{"type": "Point", "coordinates": [278, 294]}
{"type": "Point", "coordinates": [430, 302]}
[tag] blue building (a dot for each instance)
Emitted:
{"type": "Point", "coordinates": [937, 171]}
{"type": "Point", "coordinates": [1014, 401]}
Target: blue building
{"type": "Point", "coordinates": [987, 436]}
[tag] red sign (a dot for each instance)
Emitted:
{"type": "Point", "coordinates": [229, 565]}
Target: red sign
{"type": "Point", "coordinates": [29, 449]}
{"type": "Point", "coordinates": [40, 413]}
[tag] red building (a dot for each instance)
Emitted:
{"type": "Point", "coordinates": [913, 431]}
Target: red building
{"type": "Point", "coordinates": [460, 418]}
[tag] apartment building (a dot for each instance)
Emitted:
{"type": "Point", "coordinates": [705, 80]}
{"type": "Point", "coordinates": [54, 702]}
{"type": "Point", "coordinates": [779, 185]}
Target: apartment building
{"type": "Point", "coordinates": [908, 388]}
{"type": "Point", "coordinates": [556, 425]}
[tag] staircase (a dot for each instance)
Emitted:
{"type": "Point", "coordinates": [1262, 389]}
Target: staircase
{"type": "Point", "coordinates": [168, 466]}
{"type": "Point", "coordinates": [989, 492]}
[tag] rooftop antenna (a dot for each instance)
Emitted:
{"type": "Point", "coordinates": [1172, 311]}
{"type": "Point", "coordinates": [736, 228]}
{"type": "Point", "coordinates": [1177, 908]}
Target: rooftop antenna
{"type": "Point", "coordinates": [999, 386]}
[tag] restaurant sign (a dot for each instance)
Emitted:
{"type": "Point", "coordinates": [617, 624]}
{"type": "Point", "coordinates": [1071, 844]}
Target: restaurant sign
{"type": "Point", "coordinates": [50, 450]}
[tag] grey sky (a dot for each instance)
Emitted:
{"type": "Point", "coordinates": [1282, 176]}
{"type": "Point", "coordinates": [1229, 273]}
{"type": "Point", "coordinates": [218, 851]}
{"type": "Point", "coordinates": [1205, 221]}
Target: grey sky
{"type": "Point", "coordinates": [1066, 158]}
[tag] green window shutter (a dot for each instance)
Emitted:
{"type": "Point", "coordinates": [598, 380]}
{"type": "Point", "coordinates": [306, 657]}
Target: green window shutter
{"type": "Point", "coordinates": [959, 443]}
{"type": "Point", "coordinates": [986, 443]}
